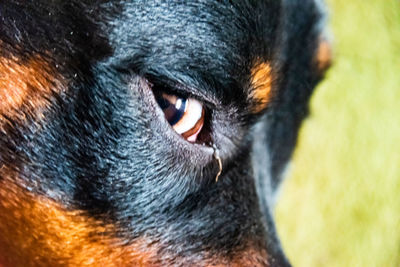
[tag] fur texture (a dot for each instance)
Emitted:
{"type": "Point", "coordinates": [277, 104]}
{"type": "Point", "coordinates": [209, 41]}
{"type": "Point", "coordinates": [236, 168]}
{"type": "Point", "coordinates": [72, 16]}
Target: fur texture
{"type": "Point", "coordinates": [91, 173]}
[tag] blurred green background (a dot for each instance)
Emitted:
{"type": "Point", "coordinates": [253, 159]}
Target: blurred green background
{"type": "Point", "coordinates": [341, 204]}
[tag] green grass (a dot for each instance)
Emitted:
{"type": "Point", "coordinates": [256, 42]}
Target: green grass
{"type": "Point", "coordinates": [341, 203]}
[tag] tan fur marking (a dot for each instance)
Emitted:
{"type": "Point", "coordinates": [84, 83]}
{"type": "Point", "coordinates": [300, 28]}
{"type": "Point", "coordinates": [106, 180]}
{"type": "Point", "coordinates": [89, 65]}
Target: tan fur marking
{"type": "Point", "coordinates": [251, 256]}
{"type": "Point", "coordinates": [324, 55]}
{"type": "Point", "coordinates": [36, 231]}
{"type": "Point", "coordinates": [261, 82]}
{"type": "Point", "coordinates": [25, 86]}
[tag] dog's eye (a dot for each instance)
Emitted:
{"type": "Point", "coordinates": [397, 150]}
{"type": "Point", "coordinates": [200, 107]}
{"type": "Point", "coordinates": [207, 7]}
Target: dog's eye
{"type": "Point", "coordinates": [185, 115]}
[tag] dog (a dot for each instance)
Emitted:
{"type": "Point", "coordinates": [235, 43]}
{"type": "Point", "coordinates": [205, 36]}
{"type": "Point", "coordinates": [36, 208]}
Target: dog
{"type": "Point", "coordinates": [151, 133]}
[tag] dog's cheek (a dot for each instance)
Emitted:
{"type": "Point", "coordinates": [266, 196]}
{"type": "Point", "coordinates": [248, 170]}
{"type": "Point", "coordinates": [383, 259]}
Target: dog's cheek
{"type": "Point", "coordinates": [36, 230]}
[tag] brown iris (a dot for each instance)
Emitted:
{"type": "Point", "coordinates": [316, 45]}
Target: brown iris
{"type": "Point", "coordinates": [185, 115]}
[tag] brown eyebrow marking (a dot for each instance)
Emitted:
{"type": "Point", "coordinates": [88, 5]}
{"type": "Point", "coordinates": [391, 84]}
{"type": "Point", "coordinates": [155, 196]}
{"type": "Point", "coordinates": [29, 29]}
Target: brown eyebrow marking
{"type": "Point", "coordinates": [37, 231]}
{"type": "Point", "coordinates": [323, 57]}
{"type": "Point", "coordinates": [26, 85]}
{"type": "Point", "coordinates": [261, 82]}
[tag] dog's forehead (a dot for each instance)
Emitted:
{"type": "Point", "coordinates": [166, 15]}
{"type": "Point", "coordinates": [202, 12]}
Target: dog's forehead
{"type": "Point", "coordinates": [205, 39]}
{"type": "Point", "coordinates": [206, 25]}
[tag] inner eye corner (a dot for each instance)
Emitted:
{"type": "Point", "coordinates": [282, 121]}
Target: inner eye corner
{"type": "Point", "coordinates": [205, 135]}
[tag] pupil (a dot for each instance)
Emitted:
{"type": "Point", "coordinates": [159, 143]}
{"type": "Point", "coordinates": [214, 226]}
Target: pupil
{"type": "Point", "coordinates": [172, 106]}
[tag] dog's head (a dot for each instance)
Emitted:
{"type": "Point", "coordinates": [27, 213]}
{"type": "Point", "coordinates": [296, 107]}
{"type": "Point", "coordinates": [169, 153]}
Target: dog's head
{"type": "Point", "coordinates": [150, 133]}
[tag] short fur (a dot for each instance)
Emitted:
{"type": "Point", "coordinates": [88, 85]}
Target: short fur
{"type": "Point", "coordinates": [92, 175]}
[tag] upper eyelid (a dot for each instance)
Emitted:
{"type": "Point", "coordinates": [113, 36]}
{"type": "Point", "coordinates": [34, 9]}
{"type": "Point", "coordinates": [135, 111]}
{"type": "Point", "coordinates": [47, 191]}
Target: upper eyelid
{"type": "Point", "coordinates": [177, 88]}
{"type": "Point", "coordinates": [174, 86]}
{"type": "Point", "coordinates": [152, 76]}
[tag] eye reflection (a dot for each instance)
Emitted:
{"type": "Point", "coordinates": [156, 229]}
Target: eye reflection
{"type": "Point", "coordinates": [173, 107]}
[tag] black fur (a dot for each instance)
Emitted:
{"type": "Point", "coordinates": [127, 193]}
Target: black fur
{"type": "Point", "coordinates": [104, 147]}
